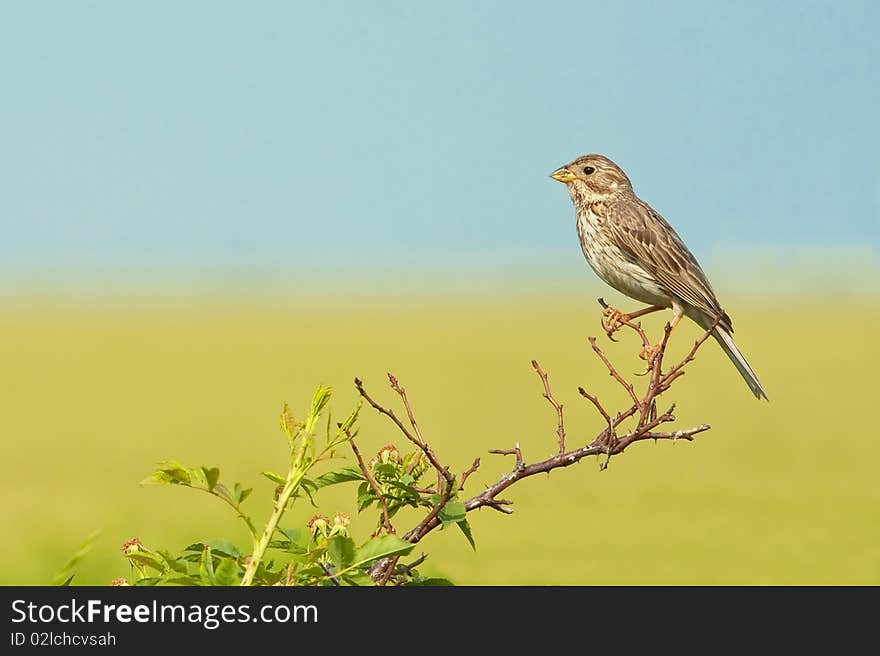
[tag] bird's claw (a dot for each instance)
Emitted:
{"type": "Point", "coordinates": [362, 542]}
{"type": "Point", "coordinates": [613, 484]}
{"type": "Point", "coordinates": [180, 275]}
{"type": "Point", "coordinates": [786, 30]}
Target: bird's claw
{"type": "Point", "coordinates": [612, 320]}
{"type": "Point", "coordinates": [649, 353]}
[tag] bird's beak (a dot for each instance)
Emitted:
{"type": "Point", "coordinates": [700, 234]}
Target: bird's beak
{"type": "Point", "coordinates": [562, 175]}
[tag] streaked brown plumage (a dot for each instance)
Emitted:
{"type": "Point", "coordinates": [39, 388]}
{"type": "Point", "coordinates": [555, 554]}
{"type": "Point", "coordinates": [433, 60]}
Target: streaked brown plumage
{"type": "Point", "coordinates": [633, 249]}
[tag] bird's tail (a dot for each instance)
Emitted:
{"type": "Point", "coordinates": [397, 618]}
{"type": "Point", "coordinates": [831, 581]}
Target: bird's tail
{"type": "Point", "coordinates": [725, 340]}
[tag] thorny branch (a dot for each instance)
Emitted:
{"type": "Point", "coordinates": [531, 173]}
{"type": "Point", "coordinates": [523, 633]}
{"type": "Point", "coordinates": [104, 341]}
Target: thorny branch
{"type": "Point", "coordinates": [467, 473]}
{"type": "Point", "coordinates": [442, 472]}
{"type": "Point", "coordinates": [560, 422]}
{"type": "Point", "coordinates": [608, 442]}
{"type": "Point", "coordinates": [386, 521]}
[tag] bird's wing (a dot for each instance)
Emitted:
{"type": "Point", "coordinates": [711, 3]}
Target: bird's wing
{"type": "Point", "coordinates": [650, 242]}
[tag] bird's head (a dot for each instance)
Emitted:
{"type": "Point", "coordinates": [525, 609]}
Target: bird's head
{"type": "Point", "coordinates": [593, 177]}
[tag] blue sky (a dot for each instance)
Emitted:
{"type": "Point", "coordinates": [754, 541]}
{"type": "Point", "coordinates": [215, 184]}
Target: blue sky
{"type": "Point", "coordinates": [229, 139]}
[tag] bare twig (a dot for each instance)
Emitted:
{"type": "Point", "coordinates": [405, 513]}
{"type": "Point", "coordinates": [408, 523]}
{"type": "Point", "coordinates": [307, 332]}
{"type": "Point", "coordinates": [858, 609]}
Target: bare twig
{"type": "Point", "coordinates": [501, 506]}
{"type": "Point", "coordinates": [406, 569]}
{"type": "Point", "coordinates": [417, 533]}
{"type": "Point", "coordinates": [402, 392]}
{"type": "Point", "coordinates": [678, 369]}
{"type": "Point", "coordinates": [443, 473]}
{"type": "Point", "coordinates": [647, 407]}
{"type": "Point", "coordinates": [560, 424]}
{"type": "Point", "coordinates": [515, 451]}
{"type": "Point", "coordinates": [386, 521]}
{"type": "Point", "coordinates": [468, 472]}
{"type": "Point", "coordinates": [329, 573]}
{"type": "Point", "coordinates": [610, 441]}
{"type": "Point", "coordinates": [415, 439]}
{"type": "Point", "coordinates": [682, 434]}
{"type": "Point", "coordinates": [613, 372]}
{"type": "Point", "coordinates": [595, 402]}
{"type": "Point", "coordinates": [388, 571]}
{"type": "Point", "coordinates": [395, 385]}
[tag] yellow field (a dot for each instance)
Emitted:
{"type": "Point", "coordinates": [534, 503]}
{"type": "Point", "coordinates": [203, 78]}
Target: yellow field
{"type": "Point", "coordinates": [786, 492]}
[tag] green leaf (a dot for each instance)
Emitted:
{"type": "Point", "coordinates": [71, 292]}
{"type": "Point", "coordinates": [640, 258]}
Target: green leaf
{"type": "Point", "coordinates": [365, 500]}
{"type": "Point", "coordinates": [212, 475]}
{"type": "Point", "coordinates": [225, 547]}
{"type": "Point", "coordinates": [275, 478]}
{"type": "Point", "coordinates": [349, 421]}
{"type": "Point", "coordinates": [303, 557]}
{"type": "Point", "coordinates": [385, 471]}
{"type": "Point", "coordinates": [453, 511]}
{"type": "Point", "coordinates": [432, 581]}
{"type": "Point", "coordinates": [341, 551]}
{"type": "Point", "coordinates": [466, 529]}
{"type": "Point", "coordinates": [292, 534]}
{"type": "Point", "coordinates": [206, 567]}
{"type": "Point", "coordinates": [227, 572]}
{"type": "Point", "coordinates": [343, 475]}
{"type": "Point", "coordinates": [345, 428]}
{"type": "Point", "coordinates": [172, 472]}
{"type": "Point", "coordinates": [410, 493]}
{"type": "Point", "coordinates": [319, 401]}
{"type": "Point", "coordinates": [308, 486]}
{"type": "Point", "coordinates": [239, 494]}
{"type": "Point", "coordinates": [380, 547]}
{"type": "Point", "coordinates": [173, 563]}
{"type": "Point", "coordinates": [358, 578]}
{"type": "Point", "coordinates": [155, 580]}
{"type": "Point", "coordinates": [197, 477]}
{"type": "Point", "coordinates": [66, 574]}
{"type": "Point", "coordinates": [147, 559]}
{"type": "Point", "coordinates": [180, 580]}
{"type": "Point", "coordinates": [311, 572]}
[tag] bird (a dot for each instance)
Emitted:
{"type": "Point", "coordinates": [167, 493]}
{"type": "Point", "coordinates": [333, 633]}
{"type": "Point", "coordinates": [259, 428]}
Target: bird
{"type": "Point", "coordinates": [633, 249]}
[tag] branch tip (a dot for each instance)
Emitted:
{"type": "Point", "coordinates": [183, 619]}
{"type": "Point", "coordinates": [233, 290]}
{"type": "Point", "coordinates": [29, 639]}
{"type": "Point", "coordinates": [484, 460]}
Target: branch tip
{"type": "Point", "coordinates": [607, 442]}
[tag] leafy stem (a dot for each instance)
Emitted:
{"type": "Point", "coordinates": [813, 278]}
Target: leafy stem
{"type": "Point", "coordinates": [302, 460]}
{"type": "Point", "coordinates": [294, 480]}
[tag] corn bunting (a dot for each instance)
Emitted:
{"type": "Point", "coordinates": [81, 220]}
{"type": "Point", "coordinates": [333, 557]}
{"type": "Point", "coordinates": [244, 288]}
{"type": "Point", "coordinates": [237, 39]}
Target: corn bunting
{"type": "Point", "coordinates": [633, 249]}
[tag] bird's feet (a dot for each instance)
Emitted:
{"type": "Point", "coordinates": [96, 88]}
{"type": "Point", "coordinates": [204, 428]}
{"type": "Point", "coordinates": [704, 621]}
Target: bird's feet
{"type": "Point", "coordinates": [612, 320]}
{"type": "Point", "coordinates": [648, 354]}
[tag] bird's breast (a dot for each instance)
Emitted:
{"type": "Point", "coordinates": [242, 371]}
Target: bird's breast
{"type": "Point", "coordinates": [612, 265]}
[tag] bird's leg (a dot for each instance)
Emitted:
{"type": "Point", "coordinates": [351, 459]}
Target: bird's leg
{"type": "Point", "coordinates": [613, 319]}
{"type": "Point", "coordinates": [650, 352]}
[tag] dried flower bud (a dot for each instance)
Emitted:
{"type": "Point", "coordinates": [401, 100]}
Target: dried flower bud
{"type": "Point", "coordinates": [120, 581]}
{"type": "Point", "coordinates": [388, 454]}
{"type": "Point", "coordinates": [340, 524]}
{"type": "Point", "coordinates": [131, 546]}
{"type": "Point", "coordinates": [319, 524]}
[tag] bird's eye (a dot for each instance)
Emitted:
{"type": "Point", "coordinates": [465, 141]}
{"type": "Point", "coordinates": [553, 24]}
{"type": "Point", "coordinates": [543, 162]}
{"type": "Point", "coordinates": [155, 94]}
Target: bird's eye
{"type": "Point", "coordinates": [588, 170]}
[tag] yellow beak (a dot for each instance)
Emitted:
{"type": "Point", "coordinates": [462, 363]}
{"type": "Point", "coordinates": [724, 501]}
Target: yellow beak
{"type": "Point", "coordinates": [562, 175]}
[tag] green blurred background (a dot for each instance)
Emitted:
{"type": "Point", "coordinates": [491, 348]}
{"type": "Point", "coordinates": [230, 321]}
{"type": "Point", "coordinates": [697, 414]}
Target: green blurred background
{"type": "Point", "coordinates": [779, 492]}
